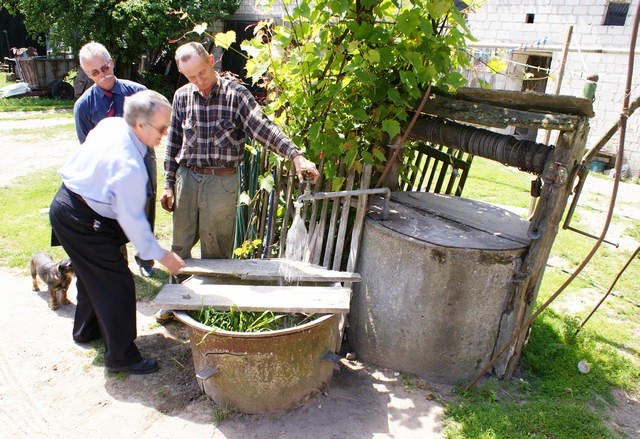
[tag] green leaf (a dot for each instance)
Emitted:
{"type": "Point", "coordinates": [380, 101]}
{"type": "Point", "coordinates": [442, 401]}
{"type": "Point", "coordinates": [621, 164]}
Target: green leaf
{"type": "Point", "coordinates": [395, 97]}
{"type": "Point", "coordinates": [266, 182]}
{"type": "Point", "coordinates": [438, 8]}
{"type": "Point", "coordinates": [244, 199]}
{"type": "Point", "coordinates": [409, 21]}
{"type": "Point", "coordinates": [497, 65]}
{"type": "Point", "coordinates": [360, 114]}
{"type": "Point", "coordinates": [226, 39]}
{"type": "Point", "coordinates": [336, 183]}
{"type": "Point", "coordinates": [391, 127]}
{"type": "Point", "coordinates": [373, 56]}
{"type": "Point", "coordinates": [200, 28]}
{"type": "Point", "coordinates": [455, 79]}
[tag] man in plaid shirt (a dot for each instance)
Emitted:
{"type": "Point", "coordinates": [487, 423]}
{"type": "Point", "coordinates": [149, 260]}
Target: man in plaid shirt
{"type": "Point", "coordinates": [210, 121]}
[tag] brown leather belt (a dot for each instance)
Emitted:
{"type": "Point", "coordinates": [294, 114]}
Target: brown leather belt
{"type": "Point", "coordinates": [220, 172]}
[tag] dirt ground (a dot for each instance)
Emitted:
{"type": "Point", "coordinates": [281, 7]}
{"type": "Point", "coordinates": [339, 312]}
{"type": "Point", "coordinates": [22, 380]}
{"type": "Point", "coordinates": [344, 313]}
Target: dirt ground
{"type": "Point", "coordinates": [51, 387]}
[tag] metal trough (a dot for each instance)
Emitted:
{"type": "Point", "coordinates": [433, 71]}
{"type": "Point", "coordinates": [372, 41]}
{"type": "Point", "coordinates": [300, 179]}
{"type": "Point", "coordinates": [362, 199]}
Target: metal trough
{"type": "Point", "coordinates": [266, 371]}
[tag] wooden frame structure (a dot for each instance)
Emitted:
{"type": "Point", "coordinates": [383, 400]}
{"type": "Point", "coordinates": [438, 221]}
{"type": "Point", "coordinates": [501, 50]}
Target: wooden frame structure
{"type": "Point", "coordinates": [560, 165]}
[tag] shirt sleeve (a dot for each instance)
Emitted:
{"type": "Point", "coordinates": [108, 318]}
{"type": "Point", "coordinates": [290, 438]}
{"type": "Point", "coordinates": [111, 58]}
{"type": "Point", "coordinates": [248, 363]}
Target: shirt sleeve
{"type": "Point", "coordinates": [82, 120]}
{"type": "Point", "coordinates": [128, 200]}
{"type": "Point", "coordinates": [174, 142]}
{"type": "Point", "coordinates": [263, 129]}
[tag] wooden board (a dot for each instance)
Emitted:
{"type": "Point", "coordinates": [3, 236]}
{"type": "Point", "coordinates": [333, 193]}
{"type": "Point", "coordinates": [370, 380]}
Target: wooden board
{"type": "Point", "coordinates": [529, 100]}
{"type": "Point", "coordinates": [495, 116]}
{"type": "Point", "coordinates": [452, 222]}
{"type": "Point", "coordinates": [266, 269]}
{"type": "Point", "coordinates": [289, 299]}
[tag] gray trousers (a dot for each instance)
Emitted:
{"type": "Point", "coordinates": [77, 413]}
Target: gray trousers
{"type": "Point", "coordinates": [204, 210]}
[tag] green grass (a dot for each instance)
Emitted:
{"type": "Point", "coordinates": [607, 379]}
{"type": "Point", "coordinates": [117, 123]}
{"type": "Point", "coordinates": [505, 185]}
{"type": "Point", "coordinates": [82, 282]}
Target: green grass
{"type": "Point", "coordinates": [25, 228]}
{"type": "Point", "coordinates": [58, 114]}
{"type": "Point", "coordinates": [33, 103]}
{"type": "Point", "coordinates": [38, 134]}
{"type": "Point", "coordinates": [25, 225]}
{"type": "Point", "coordinates": [550, 398]}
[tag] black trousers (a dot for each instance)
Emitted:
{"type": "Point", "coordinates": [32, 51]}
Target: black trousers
{"type": "Point", "coordinates": [106, 302]}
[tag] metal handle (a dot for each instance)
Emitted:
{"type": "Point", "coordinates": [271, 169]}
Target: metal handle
{"type": "Point", "coordinates": [206, 373]}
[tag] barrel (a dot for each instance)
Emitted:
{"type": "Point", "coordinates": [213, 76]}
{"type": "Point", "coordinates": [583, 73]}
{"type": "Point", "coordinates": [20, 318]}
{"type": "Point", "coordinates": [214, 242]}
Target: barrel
{"type": "Point", "coordinates": [438, 283]}
{"type": "Point", "coordinates": [261, 372]}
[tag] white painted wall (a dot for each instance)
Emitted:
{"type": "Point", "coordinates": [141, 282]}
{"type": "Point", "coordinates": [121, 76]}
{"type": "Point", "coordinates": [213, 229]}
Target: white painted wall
{"type": "Point", "coordinates": [594, 48]}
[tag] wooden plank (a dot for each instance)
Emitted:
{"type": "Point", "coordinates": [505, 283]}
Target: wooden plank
{"type": "Point", "coordinates": [358, 222]}
{"type": "Point", "coordinates": [266, 269]}
{"type": "Point", "coordinates": [342, 227]}
{"type": "Point", "coordinates": [496, 116]}
{"type": "Point", "coordinates": [254, 298]}
{"type": "Point", "coordinates": [530, 100]}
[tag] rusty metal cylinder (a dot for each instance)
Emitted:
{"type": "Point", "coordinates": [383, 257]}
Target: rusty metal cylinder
{"type": "Point", "coordinates": [259, 372]}
{"type": "Point", "coordinates": [437, 285]}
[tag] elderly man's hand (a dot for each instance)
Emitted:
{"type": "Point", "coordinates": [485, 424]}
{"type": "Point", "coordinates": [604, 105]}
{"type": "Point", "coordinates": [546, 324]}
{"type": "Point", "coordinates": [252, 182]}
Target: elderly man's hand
{"type": "Point", "coordinates": [305, 169]}
{"type": "Point", "coordinates": [167, 200]}
{"type": "Point", "coordinates": [172, 261]}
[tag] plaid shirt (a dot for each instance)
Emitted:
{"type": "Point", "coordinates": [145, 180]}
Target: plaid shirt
{"type": "Point", "coordinates": [211, 133]}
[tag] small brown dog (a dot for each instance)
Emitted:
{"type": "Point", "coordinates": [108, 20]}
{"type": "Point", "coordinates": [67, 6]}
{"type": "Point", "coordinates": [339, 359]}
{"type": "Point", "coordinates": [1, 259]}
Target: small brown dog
{"type": "Point", "coordinates": [57, 276]}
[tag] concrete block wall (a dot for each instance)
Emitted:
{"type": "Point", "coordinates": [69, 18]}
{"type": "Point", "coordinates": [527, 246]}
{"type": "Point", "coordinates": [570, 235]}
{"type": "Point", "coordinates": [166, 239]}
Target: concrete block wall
{"type": "Point", "coordinates": [258, 9]}
{"type": "Point", "coordinates": [501, 25]}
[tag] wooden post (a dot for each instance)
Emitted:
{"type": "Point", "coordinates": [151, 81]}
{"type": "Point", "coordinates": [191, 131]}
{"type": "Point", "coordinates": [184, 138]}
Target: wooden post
{"type": "Point", "coordinates": [561, 169]}
{"type": "Point", "coordinates": [563, 62]}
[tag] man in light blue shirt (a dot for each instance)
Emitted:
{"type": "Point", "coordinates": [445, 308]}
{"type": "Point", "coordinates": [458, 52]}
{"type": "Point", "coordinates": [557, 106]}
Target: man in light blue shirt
{"type": "Point", "coordinates": [99, 207]}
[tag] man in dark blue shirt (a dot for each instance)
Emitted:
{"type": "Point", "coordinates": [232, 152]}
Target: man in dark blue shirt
{"type": "Point", "coordinates": [105, 98]}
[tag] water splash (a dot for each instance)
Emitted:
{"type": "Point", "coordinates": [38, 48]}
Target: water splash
{"type": "Point", "coordinates": [296, 247]}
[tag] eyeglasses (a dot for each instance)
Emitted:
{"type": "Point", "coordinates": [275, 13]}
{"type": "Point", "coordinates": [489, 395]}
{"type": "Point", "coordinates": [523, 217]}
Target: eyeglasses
{"type": "Point", "coordinates": [161, 130]}
{"type": "Point", "coordinates": [104, 69]}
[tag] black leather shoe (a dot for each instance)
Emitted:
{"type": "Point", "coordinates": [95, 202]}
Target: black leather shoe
{"type": "Point", "coordinates": [146, 271]}
{"type": "Point", "coordinates": [144, 366]}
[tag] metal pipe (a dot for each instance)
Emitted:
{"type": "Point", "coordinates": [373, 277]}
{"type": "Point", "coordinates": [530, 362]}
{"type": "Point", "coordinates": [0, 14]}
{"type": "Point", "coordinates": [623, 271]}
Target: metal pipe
{"type": "Point", "coordinates": [308, 196]}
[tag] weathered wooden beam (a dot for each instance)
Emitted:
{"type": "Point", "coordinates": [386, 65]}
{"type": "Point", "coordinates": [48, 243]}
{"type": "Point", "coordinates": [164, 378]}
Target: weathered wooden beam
{"type": "Point", "coordinates": [290, 299]}
{"type": "Point", "coordinates": [530, 101]}
{"type": "Point", "coordinates": [266, 270]}
{"type": "Point", "coordinates": [496, 116]}
{"type": "Point", "coordinates": [561, 169]}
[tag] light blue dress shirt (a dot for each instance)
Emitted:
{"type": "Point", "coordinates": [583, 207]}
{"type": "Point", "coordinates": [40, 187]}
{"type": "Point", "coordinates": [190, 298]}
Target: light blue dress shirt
{"type": "Point", "coordinates": [109, 173]}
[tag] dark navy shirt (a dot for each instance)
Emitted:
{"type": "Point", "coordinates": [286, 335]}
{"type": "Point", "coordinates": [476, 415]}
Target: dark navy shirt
{"type": "Point", "coordinates": [93, 105]}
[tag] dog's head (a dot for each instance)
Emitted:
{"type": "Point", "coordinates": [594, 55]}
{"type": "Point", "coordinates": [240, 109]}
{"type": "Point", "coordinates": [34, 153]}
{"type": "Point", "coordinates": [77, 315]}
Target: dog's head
{"type": "Point", "coordinates": [65, 267]}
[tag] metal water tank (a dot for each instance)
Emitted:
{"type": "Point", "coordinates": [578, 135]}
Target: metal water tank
{"type": "Point", "coordinates": [437, 284]}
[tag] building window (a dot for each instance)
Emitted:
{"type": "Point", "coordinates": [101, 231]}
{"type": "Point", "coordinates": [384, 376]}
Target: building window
{"type": "Point", "coordinates": [529, 18]}
{"type": "Point", "coordinates": [616, 14]}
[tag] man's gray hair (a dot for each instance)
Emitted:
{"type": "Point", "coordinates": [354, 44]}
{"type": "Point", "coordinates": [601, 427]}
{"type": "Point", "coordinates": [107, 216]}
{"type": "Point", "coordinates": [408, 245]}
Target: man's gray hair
{"type": "Point", "coordinates": [141, 106]}
{"type": "Point", "coordinates": [90, 50]}
{"type": "Point", "coordinates": [188, 50]}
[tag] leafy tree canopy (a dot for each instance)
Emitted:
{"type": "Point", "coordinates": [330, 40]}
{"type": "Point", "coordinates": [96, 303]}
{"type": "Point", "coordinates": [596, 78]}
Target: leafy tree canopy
{"type": "Point", "coordinates": [127, 28]}
{"type": "Point", "coordinates": [344, 76]}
